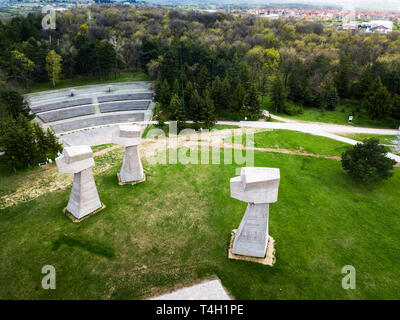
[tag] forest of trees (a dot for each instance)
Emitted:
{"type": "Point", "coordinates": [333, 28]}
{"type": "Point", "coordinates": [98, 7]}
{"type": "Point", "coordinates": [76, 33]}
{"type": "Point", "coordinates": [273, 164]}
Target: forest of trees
{"type": "Point", "coordinates": [210, 65]}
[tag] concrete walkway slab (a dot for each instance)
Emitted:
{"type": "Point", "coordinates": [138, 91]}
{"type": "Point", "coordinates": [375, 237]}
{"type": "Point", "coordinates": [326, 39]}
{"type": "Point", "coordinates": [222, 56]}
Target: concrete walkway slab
{"type": "Point", "coordinates": [208, 290]}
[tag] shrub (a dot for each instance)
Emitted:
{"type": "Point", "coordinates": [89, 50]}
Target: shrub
{"type": "Point", "coordinates": [367, 161]}
{"type": "Point", "coordinates": [293, 110]}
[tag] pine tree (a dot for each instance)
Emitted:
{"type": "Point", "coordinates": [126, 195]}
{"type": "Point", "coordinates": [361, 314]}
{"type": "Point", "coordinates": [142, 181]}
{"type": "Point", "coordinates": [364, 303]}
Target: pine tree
{"type": "Point", "coordinates": [253, 102]}
{"type": "Point", "coordinates": [278, 95]}
{"type": "Point", "coordinates": [41, 142]}
{"type": "Point", "coordinates": [12, 104]}
{"type": "Point", "coordinates": [195, 107]}
{"type": "Point", "coordinates": [53, 146]}
{"type": "Point", "coordinates": [217, 93]}
{"type": "Point", "coordinates": [343, 81]}
{"type": "Point", "coordinates": [188, 94]}
{"type": "Point", "coordinates": [208, 110]}
{"type": "Point", "coordinates": [163, 95]}
{"type": "Point", "coordinates": [176, 112]}
{"type": "Point", "coordinates": [203, 79]}
{"type": "Point", "coordinates": [332, 99]}
{"type": "Point", "coordinates": [377, 100]}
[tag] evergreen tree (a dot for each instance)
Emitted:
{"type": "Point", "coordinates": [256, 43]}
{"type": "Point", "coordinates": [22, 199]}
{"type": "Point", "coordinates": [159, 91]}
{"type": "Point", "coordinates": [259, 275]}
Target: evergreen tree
{"type": "Point", "coordinates": [367, 161]}
{"type": "Point", "coordinates": [188, 93]}
{"type": "Point", "coordinates": [226, 90]}
{"type": "Point", "coordinates": [18, 143]}
{"type": "Point", "coordinates": [396, 106]}
{"type": "Point", "coordinates": [12, 104]}
{"type": "Point", "coordinates": [278, 95]}
{"type": "Point", "coordinates": [208, 110]}
{"type": "Point", "coordinates": [253, 103]}
{"type": "Point", "coordinates": [195, 106]}
{"type": "Point", "coordinates": [203, 79]}
{"type": "Point", "coordinates": [218, 93]}
{"type": "Point", "coordinates": [332, 99]}
{"type": "Point", "coordinates": [53, 147]}
{"type": "Point", "coordinates": [163, 96]}
{"type": "Point", "coordinates": [377, 100]}
{"type": "Point", "coordinates": [176, 112]}
{"type": "Point", "coordinates": [343, 80]}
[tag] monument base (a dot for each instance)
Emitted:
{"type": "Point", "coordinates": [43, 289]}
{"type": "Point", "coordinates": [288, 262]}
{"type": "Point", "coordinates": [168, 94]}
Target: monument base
{"type": "Point", "coordinates": [76, 220]}
{"type": "Point", "coordinates": [130, 182]}
{"type": "Point", "coordinates": [268, 260]}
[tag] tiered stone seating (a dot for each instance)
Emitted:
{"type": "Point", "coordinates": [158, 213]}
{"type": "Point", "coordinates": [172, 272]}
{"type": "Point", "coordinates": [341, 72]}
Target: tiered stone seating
{"type": "Point", "coordinates": [125, 106]}
{"type": "Point", "coordinates": [97, 120]}
{"type": "Point", "coordinates": [130, 96]}
{"type": "Point", "coordinates": [93, 106]}
{"type": "Point", "coordinates": [61, 105]}
{"type": "Point", "coordinates": [61, 114]}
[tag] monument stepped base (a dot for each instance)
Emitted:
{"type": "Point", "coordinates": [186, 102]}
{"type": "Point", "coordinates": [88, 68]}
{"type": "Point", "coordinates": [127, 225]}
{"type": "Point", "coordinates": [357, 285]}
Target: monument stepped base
{"type": "Point", "coordinates": [133, 182]}
{"type": "Point", "coordinates": [76, 220]}
{"type": "Point", "coordinates": [268, 260]}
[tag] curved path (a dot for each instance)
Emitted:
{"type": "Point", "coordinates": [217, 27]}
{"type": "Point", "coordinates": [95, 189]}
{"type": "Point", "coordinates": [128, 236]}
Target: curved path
{"type": "Point", "coordinates": [320, 129]}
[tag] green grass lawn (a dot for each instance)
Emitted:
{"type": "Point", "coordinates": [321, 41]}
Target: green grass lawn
{"type": "Point", "coordinates": [174, 230]}
{"type": "Point", "coordinates": [339, 116]}
{"type": "Point", "coordinates": [82, 81]}
{"type": "Point", "coordinates": [383, 139]}
{"type": "Point", "coordinates": [293, 140]}
{"type": "Point", "coordinates": [101, 147]}
{"type": "Point", "coordinates": [165, 128]}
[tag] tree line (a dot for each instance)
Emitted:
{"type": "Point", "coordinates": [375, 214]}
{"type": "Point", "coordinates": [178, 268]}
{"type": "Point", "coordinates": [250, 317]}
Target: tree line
{"type": "Point", "coordinates": [238, 64]}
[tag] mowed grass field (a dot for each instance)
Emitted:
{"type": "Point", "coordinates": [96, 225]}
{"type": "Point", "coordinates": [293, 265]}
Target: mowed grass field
{"type": "Point", "coordinates": [339, 116]}
{"type": "Point", "coordinates": [174, 230]}
{"type": "Point", "coordinates": [293, 140]}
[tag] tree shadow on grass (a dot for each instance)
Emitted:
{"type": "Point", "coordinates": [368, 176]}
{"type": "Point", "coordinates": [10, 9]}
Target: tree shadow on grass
{"type": "Point", "coordinates": [91, 246]}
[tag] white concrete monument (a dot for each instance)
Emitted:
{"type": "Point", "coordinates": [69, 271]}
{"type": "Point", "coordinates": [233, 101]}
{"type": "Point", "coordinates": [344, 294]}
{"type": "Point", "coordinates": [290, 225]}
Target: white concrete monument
{"type": "Point", "coordinates": [84, 198]}
{"type": "Point", "coordinates": [258, 187]}
{"type": "Point", "coordinates": [129, 136]}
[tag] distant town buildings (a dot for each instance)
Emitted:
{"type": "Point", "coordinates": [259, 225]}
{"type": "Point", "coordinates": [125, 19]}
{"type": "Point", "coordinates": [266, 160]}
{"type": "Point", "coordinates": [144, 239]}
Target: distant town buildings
{"type": "Point", "coordinates": [348, 17]}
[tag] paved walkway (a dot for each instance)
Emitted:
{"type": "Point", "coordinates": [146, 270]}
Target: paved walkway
{"type": "Point", "coordinates": [319, 129]}
{"type": "Point", "coordinates": [208, 290]}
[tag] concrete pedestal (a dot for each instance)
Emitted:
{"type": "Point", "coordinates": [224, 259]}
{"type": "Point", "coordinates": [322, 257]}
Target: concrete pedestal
{"type": "Point", "coordinates": [84, 198]}
{"type": "Point", "coordinates": [132, 169]}
{"type": "Point", "coordinates": [258, 187]}
{"type": "Point", "coordinates": [129, 136]}
{"type": "Point", "coordinates": [252, 236]}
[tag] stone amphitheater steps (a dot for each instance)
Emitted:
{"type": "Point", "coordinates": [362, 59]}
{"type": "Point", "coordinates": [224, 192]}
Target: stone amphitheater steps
{"type": "Point", "coordinates": [61, 105]}
{"type": "Point", "coordinates": [125, 106]}
{"type": "Point", "coordinates": [62, 114]}
{"type": "Point", "coordinates": [92, 106]}
{"type": "Point", "coordinates": [97, 120]}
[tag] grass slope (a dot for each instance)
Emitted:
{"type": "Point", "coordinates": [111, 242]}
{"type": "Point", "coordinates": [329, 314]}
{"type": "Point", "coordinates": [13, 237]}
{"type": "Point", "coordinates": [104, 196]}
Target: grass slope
{"type": "Point", "coordinates": [339, 116]}
{"type": "Point", "coordinates": [174, 230]}
{"type": "Point", "coordinates": [292, 140]}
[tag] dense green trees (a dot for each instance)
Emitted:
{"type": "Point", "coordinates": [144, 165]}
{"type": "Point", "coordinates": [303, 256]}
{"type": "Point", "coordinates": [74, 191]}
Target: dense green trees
{"type": "Point", "coordinates": [25, 143]}
{"type": "Point", "coordinates": [367, 161]}
{"type": "Point", "coordinates": [232, 54]}
{"type": "Point", "coordinates": [12, 105]}
{"type": "Point", "coordinates": [377, 100]}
